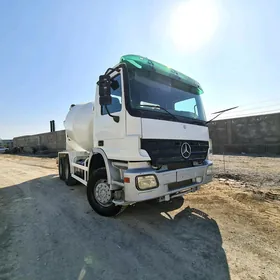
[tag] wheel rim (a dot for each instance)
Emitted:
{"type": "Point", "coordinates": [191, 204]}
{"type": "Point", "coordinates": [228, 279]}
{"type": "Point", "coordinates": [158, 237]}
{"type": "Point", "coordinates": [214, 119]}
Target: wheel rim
{"type": "Point", "coordinates": [102, 193]}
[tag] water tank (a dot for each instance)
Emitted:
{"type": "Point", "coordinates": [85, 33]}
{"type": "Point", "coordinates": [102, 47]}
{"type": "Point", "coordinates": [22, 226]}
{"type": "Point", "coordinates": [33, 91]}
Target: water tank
{"type": "Point", "coordinates": [79, 127]}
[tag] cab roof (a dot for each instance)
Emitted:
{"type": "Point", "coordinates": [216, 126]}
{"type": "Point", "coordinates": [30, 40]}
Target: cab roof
{"type": "Point", "coordinates": [141, 62]}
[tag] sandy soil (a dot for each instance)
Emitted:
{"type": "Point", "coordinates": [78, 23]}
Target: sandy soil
{"type": "Point", "coordinates": [230, 229]}
{"type": "Point", "coordinates": [255, 171]}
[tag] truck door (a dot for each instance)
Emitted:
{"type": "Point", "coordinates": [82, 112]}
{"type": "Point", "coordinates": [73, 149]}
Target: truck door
{"type": "Point", "coordinates": [108, 134]}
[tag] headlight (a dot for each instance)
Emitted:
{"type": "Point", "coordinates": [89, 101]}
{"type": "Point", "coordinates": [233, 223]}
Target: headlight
{"type": "Point", "coordinates": [209, 170]}
{"type": "Point", "coordinates": [146, 182]}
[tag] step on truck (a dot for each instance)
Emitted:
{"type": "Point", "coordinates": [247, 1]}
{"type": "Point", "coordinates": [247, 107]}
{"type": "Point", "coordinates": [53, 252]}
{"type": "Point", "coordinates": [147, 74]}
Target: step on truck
{"type": "Point", "coordinates": [144, 137]}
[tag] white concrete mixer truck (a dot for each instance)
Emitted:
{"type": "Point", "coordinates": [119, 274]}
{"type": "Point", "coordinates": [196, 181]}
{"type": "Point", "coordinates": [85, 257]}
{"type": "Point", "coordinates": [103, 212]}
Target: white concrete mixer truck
{"type": "Point", "coordinates": [144, 137]}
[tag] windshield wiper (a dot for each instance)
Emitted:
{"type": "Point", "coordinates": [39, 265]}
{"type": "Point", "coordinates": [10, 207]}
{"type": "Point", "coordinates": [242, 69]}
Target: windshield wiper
{"type": "Point", "coordinates": [162, 108]}
{"type": "Point", "coordinates": [219, 113]}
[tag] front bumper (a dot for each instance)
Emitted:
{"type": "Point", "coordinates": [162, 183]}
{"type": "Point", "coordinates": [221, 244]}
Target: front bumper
{"type": "Point", "coordinates": [165, 179]}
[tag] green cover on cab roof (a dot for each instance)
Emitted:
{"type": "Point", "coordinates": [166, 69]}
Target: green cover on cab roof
{"type": "Point", "coordinates": [148, 64]}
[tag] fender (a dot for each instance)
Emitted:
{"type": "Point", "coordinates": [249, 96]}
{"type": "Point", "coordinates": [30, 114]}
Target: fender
{"type": "Point", "coordinates": [112, 173]}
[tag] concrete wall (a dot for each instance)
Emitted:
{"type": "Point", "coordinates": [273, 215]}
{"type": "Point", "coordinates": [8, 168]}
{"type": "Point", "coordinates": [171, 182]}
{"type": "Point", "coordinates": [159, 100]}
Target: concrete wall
{"type": "Point", "coordinates": [53, 141]}
{"type": "Point", "coordinates": [255, 134]}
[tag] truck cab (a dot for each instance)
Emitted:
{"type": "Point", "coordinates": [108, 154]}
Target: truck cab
{"type": "Point", "coordinates": [147, 137]}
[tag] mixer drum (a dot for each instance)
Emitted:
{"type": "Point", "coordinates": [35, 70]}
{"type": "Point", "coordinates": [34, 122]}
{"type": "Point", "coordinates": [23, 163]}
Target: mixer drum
{"type": "Point", "coordinates": [79, 127]}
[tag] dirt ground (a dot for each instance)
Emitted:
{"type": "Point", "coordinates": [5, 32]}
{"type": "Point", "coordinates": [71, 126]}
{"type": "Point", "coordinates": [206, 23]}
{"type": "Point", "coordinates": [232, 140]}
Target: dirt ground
{"type": "Point", "coordinates": [230, 229]}
{"type": "Point", "coordinates": [260, 172]}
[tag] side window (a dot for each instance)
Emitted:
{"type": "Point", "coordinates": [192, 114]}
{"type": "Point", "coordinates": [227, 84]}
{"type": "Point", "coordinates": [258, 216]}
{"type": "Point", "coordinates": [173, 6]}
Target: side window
{"type": "Point", "coordinates": [188, 105]}
{"type": "Point", "coordinates": [116, 93]}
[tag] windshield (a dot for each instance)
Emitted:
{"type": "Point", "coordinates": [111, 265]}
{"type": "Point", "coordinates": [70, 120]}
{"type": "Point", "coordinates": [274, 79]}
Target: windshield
{"type": "Point", "coordinates": [153, 89]}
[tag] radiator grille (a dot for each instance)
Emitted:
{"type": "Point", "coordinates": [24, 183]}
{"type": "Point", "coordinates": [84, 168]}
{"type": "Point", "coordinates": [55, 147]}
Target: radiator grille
{"type": "Point", "coordinates": [169, 151]}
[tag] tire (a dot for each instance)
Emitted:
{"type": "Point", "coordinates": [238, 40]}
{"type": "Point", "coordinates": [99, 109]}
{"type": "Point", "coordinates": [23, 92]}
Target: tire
{"type": "Point", "coordinates": [98, 178]}
{"type": "Point", "coordinates": [61, 169]}
{"type": "Point", "coordinates": [69, 180]}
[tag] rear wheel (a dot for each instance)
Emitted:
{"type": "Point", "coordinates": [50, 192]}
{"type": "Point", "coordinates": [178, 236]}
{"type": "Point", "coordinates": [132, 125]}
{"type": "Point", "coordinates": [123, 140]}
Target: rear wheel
{"type": "Point", "coordinates": [69, 180]}
{"type": "Point", "coordinates": [60, 169]}
{"type": "Point", "coordinates": [99, 194]}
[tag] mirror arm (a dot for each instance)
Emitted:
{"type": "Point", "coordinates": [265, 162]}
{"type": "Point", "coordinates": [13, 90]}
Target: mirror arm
{"type": "Point", "coordinates": [111, 70]}
{"type": "Point", "coordinates": [115, 118]}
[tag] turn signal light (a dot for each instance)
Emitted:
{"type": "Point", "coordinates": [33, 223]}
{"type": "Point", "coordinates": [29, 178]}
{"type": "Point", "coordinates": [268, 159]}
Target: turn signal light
{"type": "Point", "coordinates": [126, 179]}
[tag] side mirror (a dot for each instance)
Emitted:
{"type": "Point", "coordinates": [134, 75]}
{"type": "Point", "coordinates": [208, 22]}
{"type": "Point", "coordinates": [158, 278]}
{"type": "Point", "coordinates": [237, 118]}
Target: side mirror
{"type": "Point", "coordinates": [105, 90]}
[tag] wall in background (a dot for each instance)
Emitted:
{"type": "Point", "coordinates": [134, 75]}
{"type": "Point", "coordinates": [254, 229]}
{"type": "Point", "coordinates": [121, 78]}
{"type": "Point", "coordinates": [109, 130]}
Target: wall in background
{"type": "Point", "coordinates": [255, 135]}
{"type": "Point", "coordinates": [51, 141]}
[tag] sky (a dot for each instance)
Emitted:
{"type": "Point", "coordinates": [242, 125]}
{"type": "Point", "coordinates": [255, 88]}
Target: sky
{"type": "Point", "coordinates": [52, 52]}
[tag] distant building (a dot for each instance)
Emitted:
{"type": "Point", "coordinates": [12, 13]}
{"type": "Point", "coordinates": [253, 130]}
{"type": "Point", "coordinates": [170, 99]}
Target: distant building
{"type": "Point", "coordinates": [6, 143]}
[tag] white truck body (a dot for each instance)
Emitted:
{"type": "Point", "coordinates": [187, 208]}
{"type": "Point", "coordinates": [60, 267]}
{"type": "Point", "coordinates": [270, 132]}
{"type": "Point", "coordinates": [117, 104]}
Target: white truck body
{"type": "Point", "coordinates": [167, 155]}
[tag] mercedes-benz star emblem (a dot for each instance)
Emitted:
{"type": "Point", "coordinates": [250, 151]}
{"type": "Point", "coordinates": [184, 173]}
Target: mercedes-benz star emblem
{"type": "Point", "coordinates": [186, 150]}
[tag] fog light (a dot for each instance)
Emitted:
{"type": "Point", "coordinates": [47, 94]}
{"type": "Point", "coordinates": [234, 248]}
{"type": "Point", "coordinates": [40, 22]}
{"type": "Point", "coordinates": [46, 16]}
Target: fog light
{"type": "Point", "coordinates": [146, 182]}
{"type": "Point", "coordinates": [209, 170]}
{"type": "Point", "coordinates": [198, 179]}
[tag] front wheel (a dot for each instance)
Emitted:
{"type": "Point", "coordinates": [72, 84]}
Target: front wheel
{"type": "Point", "coordinates": [99, 194]}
